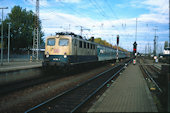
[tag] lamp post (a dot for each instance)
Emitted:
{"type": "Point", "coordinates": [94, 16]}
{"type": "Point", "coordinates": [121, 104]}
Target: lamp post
{"type": "Point", "coordinates": [2, 35]}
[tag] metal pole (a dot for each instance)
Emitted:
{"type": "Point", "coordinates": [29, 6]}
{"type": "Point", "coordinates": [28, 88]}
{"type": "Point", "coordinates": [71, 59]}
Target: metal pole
{"type": "Point", "coordinates": [117, 47]}
{"type": "Point", "coordinates": [155, 41]}
{"type": "Point", "coordinates": [2, 36]}
{"type": "Point", "coordinates": [117, 52]}
{"type": "Point", "coordinates": [81, 30]}
{"type": "Point", "coordinates": [169, 36]}
{"type": "Point", "coordinates": [136, 30]}
{"type": "Point", "coordinates": [8, 40]}
{"type": "Point", "coordinates": [37, 43]}
{"type": "Point", "coordinates": [2, 39]}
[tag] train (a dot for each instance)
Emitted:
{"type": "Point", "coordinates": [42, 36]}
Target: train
{"type": "Point", "coordinates": [68, 49]}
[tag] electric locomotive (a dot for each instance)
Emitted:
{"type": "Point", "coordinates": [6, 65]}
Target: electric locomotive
{"type": "Point", "coordinates": [66, 49]}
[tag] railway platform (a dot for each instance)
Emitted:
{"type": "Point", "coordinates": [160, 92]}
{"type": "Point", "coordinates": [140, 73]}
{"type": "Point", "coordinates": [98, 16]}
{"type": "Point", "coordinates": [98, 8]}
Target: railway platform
{"type": "Point", "coordinates": [19, 65]}
{"type": "Point", "coordinates": [128, 93]}
{"type": "Point", "coordinates": [19, 70]}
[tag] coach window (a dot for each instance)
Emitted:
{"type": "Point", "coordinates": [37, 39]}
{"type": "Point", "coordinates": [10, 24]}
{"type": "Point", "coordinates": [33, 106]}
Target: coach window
{"type": "Point", "coordinates": [80, 44]}
{"type": "Point", "coordinates": [88, 45]}
{"type": "Point", "coordinates": [84, 44]}
{"type": "Point", "coordinates": [91, 46]}
{"type": "Point", "coordinates": [63, 42]}
{"type": "Point", "coordinates": [75, 42]}
{"type": "Point", "coordinates": [51, 42]}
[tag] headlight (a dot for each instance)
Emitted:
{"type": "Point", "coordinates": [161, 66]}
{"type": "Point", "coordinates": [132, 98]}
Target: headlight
{"type": "Point", "coordinates": [65, 55]}
{"type": "Point", "coordinates": [47, 55]}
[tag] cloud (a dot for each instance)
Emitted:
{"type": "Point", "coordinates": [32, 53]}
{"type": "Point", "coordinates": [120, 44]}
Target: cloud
{"type": "Point", "coordinates": [68, 1]}
{"type": "Point", "coordinates": [158, 18]}
{"type": "Point", "coordinates": [154, 6]}
{"type": "Point", "coordinates": [159, 6]}
{"type": "Point", "coordinates": [108, 29]}
{"type": "Point", "coordinates": [41, 2]}
{"type": "Point", "coordinates": [103, 28]}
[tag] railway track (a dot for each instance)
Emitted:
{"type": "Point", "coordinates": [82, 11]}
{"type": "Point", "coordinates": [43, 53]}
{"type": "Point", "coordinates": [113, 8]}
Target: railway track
{"type": "Point", "coordinates": [20, 85]}
{"type": "Point", "coordinates": [148, 76]}
{"type": "Point", "coordinates": [11, 87]}
{"type": "Point", "coordinates": [73, 99]}
{"type": "Point", "coordinates": [155, 68]}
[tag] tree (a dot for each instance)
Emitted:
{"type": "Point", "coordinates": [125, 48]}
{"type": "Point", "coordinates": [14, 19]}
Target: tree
{"type": "Point", "coordinates": [22, 27]}
{"type": "Point", "coordinates": [105, 43]}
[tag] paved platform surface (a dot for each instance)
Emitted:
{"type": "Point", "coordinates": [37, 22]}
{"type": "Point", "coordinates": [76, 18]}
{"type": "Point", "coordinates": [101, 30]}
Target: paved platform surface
{"type": "Point", "coordinates": [129, 93]}
{"type": "Point", "coordinates": [13, 66]}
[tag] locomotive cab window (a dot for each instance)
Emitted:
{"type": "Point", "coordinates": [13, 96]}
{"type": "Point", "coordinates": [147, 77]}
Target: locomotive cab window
{"type": "Point", "coordinates": [63, 42]}
{"type": "Point", "coordinates": [51, 42]}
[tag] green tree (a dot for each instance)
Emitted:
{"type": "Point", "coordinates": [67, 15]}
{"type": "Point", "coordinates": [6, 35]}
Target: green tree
{"type": "Point", "coordinates": [22, 27]}
{"type": "Point", "coordinates": [105, 43]}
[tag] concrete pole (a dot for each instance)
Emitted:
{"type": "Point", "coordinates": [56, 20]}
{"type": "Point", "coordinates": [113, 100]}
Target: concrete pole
{"type": "Point", "coordinates": [9, 24]}
{"type": "Point", "coordinates": [2, 35]}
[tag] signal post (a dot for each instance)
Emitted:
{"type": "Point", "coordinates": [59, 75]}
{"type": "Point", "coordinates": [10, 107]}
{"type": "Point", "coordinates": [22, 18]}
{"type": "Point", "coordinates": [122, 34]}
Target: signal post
{"type": "Point", "coordinates": [135, 48]}
{"type": "Point", "coordinates": [117, 54]}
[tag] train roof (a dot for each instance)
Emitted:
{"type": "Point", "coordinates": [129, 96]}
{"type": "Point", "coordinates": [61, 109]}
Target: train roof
{"type": "Point", "coordinates": [69, 34]}
{"type": "Point", "coordinates": [73, 35]}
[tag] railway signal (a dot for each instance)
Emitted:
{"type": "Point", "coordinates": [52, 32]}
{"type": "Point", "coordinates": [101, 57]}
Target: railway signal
{"type": "Point", "coordinates": [117, 47]}
{"type": "Point", "coordinates": [134, 48]}
{"type": "Point", "coordinates": [117, 39]}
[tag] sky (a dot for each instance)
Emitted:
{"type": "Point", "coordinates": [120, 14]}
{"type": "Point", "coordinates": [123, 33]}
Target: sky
{"type": "Point", "coordinates": [132, 20]}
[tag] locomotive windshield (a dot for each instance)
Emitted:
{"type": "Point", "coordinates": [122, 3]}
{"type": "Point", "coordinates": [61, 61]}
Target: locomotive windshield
{"type": "Point", "coordinates": [63, 42]}
{"type": "Point", "coordinates": [51, 42]}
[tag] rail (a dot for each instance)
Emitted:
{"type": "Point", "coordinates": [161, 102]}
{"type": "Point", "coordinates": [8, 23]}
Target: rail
{"type": "Point", "coordinates": [147, 73]}
{"type": "Point", "coordinates": [71, 100]}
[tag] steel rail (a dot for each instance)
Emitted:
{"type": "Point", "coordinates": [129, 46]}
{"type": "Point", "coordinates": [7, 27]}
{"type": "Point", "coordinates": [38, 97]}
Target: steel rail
{"type": "Point", "coordinates": [121, 66]}
{"type": "Point", "coordinates": [78, 106]}
{"type": "Point", "coordinates": [100, 87]}
{"type": "Point", "coordinates": [157, 67]}
{"type": "Point", "coordinates": [147, 73]}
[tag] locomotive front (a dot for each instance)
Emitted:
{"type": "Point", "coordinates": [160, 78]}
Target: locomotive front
{"type": "Point", "coordinates": [57, 49]}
